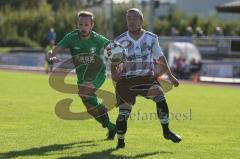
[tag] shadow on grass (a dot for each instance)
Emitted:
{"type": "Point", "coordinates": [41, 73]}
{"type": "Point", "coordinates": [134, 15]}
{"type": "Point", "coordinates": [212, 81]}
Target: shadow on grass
{"type": "Point", "coordinates": [108, 154]}
{"type": "Point", "coordinates": [42, 151]}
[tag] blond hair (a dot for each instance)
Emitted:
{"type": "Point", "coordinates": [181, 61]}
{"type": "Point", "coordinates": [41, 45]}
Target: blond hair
{"type": "Point", "coordinates": [137, 11]}
{"type": "Point", "coordinates": [86, 14]}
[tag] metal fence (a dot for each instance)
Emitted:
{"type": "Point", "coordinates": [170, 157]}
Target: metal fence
{"type": "Point", "coordinates": [215, 45]}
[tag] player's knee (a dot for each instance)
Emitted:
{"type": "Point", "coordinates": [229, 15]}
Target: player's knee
{"type": "Point", "coordinates": [154, 91]}
{"type": "Point", "coordinates": [158, 99]}
{"type": "Point", "coordinates": [85, 92]}
{"type": "Point", "coordinates": [126, 106]}
{"type": "Point", "coordinates": [124, 113]}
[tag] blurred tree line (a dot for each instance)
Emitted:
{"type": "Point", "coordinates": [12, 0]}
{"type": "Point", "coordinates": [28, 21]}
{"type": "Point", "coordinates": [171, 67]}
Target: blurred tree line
{"type": "Point", "coordinates": [26, 22]}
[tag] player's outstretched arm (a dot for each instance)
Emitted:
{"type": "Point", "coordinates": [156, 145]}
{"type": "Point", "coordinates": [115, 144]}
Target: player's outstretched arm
{"type": "Point", "coordinates": [52, 54]}
{"type": "Point", "coordinates": [164, 65]}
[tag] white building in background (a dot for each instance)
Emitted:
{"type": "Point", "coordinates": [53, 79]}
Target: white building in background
{"type": "Point", "coordinates": [204, 8]}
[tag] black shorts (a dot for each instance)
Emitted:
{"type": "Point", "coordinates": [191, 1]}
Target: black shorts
{"type": "Point", "coordinates": [128, 88]}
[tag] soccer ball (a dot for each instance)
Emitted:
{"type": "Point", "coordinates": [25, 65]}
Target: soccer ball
{"type": "Point", "coordinates": [115, 53]}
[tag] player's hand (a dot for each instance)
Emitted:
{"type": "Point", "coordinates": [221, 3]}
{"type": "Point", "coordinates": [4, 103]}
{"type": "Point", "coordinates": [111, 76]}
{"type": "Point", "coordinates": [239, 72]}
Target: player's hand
{"type": "Point", "coordinates": [116, 72]}
{"type": "Point", "coordinates": [174, 81]}
{"type": "Point", "coordinates": [52, 58]}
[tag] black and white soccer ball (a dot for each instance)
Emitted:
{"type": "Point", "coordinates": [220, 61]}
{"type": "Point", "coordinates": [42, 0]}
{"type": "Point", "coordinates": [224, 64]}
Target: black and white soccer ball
{"type": "Point", "coordinates": [115, 53]}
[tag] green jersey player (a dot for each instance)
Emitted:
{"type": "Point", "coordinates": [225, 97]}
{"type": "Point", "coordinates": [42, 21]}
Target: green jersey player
{"type": "Point", "coordinates": [86, 47]}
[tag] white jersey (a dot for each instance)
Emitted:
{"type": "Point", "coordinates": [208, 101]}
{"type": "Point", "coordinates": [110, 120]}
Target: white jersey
{"type": "Point", "coordinates": [140, 53]}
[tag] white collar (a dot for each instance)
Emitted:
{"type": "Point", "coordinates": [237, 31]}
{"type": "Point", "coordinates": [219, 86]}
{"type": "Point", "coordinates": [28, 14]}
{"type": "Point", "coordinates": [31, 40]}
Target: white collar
{"type": "Point", "coordinates": [138, 40]}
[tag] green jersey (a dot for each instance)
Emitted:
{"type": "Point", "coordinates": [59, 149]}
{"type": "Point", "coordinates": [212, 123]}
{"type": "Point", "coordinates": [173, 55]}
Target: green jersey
{"type": "Point", "coordinates": [86, 54]}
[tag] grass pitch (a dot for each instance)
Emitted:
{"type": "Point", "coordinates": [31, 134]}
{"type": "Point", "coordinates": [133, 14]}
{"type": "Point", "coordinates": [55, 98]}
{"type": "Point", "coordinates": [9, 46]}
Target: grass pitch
{"type": "Point", "coordinates": [207, 117]}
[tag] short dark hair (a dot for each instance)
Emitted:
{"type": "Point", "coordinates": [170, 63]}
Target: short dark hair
{"type": "Point", "coordinates": [86, 14]}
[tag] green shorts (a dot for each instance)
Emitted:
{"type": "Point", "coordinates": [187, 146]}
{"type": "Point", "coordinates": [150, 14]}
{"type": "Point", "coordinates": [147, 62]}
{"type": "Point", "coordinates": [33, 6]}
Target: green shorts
{"type": "Point", "coordinates": [97, 82]}
{"type": "Point", "coordinates": [93, 100]}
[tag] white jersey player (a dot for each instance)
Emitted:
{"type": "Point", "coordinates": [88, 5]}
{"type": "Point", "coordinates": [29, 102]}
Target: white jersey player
{"type": "Point", "coordinates": [136, 76]}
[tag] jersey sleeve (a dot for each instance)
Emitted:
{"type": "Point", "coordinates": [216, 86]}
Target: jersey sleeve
{"type": "Point", "coordinates": [65, 42]}
{"type": "Point", "coordinates": [104, 41]}
{"type": "Point", "coordinates": [156, 49]}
